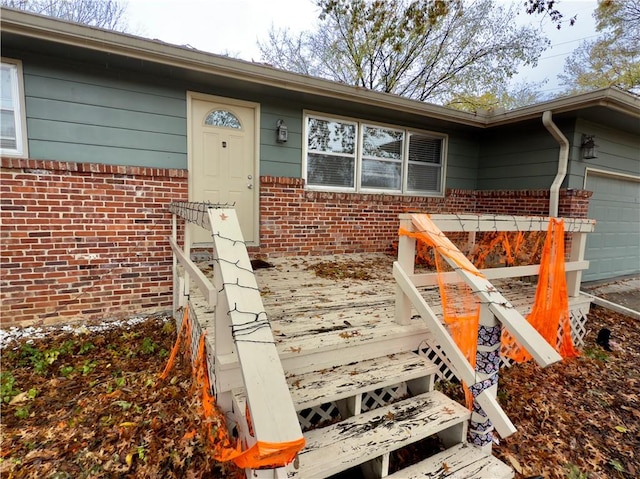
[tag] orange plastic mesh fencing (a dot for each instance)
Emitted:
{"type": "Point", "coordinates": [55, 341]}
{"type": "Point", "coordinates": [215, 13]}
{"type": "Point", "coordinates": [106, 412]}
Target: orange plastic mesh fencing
{"type": "Point", "coordinates": [261, 454]}
{"type": "Point", "coordinates": [506, 248]}
{"type": "Point", "coordinates": [550, 312]}
{"type": "Point", "coordinates": [185, 330]}
{"type": "Point", "coordinates": [430, 233]}
{"type": "Point", "coordinates": [460, 307]}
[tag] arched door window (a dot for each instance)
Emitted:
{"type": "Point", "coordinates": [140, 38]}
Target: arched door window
{"type": "Point", "coordinates": [224, 119]}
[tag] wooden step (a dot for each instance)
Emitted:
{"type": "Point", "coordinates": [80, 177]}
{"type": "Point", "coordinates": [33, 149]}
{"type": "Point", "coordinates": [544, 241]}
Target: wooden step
{"type": "Point", "coordinates": [326, 350]}
{"type": "Point", "coordinates": [461, 461]}
{"type": "Point", "coordinates": [369, 435]}
{"type": "Point", "coordinates": [319, 387]}
{"type": "Point", "coordinates": [332, 384]}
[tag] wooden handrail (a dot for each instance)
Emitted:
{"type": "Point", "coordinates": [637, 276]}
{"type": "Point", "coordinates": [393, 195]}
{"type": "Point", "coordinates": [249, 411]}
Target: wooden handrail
{"type": "Point", "coordinates": [495, 304]}
{"type": "Point", "coordinates": [486, 223]}
{"type": "Point", "coordinates": [461, 367]}
{"type": "Point", "coordinates": [431, 279]}
{"type": "Point", "coordinates": [512, 320]}
{"type": "Point", "coordinates": [203, 283]}
{"type": "Point", "coordinates": [240, 309]}
{"type": "Point", "coordinates": [241, 325]}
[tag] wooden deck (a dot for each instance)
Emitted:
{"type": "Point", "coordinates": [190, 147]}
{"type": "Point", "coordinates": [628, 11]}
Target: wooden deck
{"type": "Point", "coordinates": [310, 314]}
{"type": "Point", "coordinates": [325, 345]}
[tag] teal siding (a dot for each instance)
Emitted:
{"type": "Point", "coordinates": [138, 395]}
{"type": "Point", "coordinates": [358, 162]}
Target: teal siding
{"type": "Point", "coordinates": [76, 114]}
{"type": "Point", "coordinates": [618, 152]}
{"type": "Point", "coordinates": [519, 158]}
{"type": "Point", "coordinates": [280, 159]}
{"type": "Point", "coordinates": [462, 162]}
{"type": "Point", "coordinates": [82, 112]}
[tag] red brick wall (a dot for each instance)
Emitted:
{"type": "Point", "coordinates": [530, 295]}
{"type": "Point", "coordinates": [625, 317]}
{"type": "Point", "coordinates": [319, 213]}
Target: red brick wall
{"type": "Point", "coordinates": [88, 241]}
{"type": "Point", "coordinates": [84, 241]}
{"type": "Point", "coordinates": [298, 221]}
{"type": "Point", "coordinates": [572, 203]}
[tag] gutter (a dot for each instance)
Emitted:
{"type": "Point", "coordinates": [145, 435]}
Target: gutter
{"type": "Point", "coordinates": [563, 160]}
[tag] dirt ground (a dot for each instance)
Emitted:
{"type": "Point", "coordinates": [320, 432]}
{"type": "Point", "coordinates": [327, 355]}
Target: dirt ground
{"type": "Point", "coordinates": [83, 404]}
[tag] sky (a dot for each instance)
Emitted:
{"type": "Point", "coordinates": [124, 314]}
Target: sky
{"type": "Point", "coordinates": [234, 26]}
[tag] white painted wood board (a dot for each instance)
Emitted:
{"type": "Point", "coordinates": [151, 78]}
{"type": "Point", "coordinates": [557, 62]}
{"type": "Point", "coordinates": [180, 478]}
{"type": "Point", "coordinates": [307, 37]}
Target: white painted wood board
{"type": "Point", "coordinates": [360, 438]}
{"type": "Point", "coordinates": [203, 283]}
{"type": "Point", "coordinates": [274, 416]}
{"type": "Point", "coordinates": [332, 384]}
{"type": "Point", "coordinates": [471, 222]}
{"type": "Point", "coordinates": [462, 461]}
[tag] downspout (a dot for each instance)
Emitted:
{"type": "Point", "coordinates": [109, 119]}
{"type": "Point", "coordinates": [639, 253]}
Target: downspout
{"type": "Point", "coordinates": [563, 159]}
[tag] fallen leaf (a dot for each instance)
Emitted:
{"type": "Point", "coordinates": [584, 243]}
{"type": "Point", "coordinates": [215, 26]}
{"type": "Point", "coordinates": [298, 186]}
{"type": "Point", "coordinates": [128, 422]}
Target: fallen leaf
{"type": "Point", "coordinates": [22, 397]}
{"type": "Point", "coordinates": [514, 463]}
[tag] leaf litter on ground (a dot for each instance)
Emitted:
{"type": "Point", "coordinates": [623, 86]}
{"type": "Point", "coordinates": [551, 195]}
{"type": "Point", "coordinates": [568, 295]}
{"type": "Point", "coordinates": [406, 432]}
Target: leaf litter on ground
{"type": "Point", "coordinates": [91, 405]}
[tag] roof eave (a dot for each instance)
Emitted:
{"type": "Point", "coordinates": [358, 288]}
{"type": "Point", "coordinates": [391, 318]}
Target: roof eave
{"type": "Point", "coordinates": [73, 34]}
{"type": "Point", "coordinates": [68, 33]}
{"type": "Point", "coordinates": [612, 98]}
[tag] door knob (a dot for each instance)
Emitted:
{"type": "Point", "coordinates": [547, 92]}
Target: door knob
{"type": "Point", "coordinates": [249, 185]}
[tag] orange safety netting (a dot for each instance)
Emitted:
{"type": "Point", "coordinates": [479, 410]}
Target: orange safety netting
{"type": "Point", "coordinates": [550, 312]}
{"type": "Point", "coordinates": [461, 311]}
{"type": "Point", "coordinates": [262, 454]}
{"type": "Point", "coordinates": [460, 308]}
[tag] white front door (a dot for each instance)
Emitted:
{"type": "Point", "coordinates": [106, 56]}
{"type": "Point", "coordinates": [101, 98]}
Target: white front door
{"type": "Point", "coordinates": [222, 157]}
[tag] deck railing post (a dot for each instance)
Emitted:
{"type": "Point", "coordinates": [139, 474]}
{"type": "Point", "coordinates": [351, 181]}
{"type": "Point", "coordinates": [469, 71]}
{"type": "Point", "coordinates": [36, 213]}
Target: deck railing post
{"type": "Point", "coordinates": [174, 267]}
{"type": "Point", "coordinates": [187, 251]}
{"type": "Point", "coordinates": [574, 278]}
{"type": "Point", "coordinates": [487, 369]}
{"type": "Point", "coordinates": [406, 259]}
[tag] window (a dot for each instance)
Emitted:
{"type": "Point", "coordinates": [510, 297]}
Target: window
{"type": "Point", "coordinates": [331, 152]}
{"type": "Point", "coordinates": [13, 139]}
{"type": "Point", "coordinates": [223, 118]}
{"type": "Point", "coordinates": [349, 155]}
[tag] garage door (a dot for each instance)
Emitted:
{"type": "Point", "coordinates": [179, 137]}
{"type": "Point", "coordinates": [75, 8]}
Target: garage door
{"type": "Point", "coordinates": [613, 249]}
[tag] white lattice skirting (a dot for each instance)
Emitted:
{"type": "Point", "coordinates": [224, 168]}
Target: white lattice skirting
{"type": "Point", "coordinates": [328, 413]}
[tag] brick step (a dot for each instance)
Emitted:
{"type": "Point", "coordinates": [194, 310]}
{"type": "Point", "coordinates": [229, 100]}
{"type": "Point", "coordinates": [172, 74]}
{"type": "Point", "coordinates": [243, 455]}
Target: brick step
{"type": "Point", "coordinates": [351, 380]}
{"type": "Point", "coordinates": [372, 434]}
{"type": "Point", "coordinates": [461, 461]}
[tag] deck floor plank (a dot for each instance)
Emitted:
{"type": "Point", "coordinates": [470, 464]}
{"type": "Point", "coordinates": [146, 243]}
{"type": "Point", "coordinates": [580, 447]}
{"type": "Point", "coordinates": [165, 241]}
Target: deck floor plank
{"type": "Point", "coordinates": [308, 312]}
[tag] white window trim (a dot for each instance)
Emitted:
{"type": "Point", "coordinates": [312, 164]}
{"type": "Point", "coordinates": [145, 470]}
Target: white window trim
{"type": "Point", "coordinates": [358, 159]}
{"type": "Point", "coordinates": [22, 145]}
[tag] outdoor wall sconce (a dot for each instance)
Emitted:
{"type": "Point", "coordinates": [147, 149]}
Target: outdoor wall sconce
{"type": "Point", "coordinates": [281, 132]}
{"type": "Point", "coordinates": [588, 147]}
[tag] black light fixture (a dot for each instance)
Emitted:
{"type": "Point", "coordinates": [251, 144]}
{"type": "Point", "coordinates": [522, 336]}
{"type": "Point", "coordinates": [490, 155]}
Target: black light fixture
{"type": "Point", "coordinates": [588, 147]}
{"type": "Point", "coordinates": [281, 132]}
